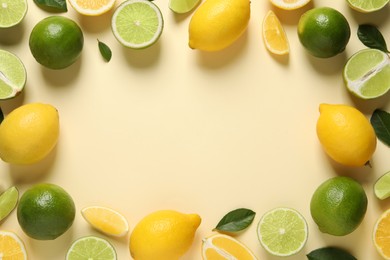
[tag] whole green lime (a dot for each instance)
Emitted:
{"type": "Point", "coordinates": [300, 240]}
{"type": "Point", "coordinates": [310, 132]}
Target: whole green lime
{"type": "Point", "coordinates": [338, 206]}
{"type": "Point", "coordinates": [56, 42]}
{"type": "Point", "coordinates": [324, 32]}
{"type": "Point", "coordinates": [45, 211]}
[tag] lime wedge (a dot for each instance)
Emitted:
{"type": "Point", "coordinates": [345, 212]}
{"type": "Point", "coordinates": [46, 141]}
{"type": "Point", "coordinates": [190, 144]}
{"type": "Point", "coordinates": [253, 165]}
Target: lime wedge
{"type": "Point", "coordinates": [12, 12]}
{"type": "Point", "coordinates": [367, 6]}
{"type": "Point", "coordinates": [282, 231]}
{"type": "Point", "coordinates": [12, 75]}
{"type": "Point", "coordinates": [367, 73]}
{"type": "Point", "coordinates": [382, 186]}
{"type": "Point", "coordinates": [8, 201]}
{"type": "Point", "coordinates": [91, 247]}
{"type": "Point", "coordinates": [137, 24]}
{"type": "Point", "coordinates": [182, 6]}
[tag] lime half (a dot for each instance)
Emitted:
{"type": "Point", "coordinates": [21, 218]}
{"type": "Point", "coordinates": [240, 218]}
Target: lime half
{"type": "Point", "coordinates": [282, 231]}
{"type": "Point", "coordinates": [367, 6]}
{"type": "Point", "coordinates": [12, 75]}
{"type": "Point", "coordinates": [182, 6]}
{"type": "Point", "coordinates": [91, 247]}
{"type": "Point", "coordinates": [8, 201]}
{"type": "Point", "coordinates": [12, 12]}
{"type": "Point", "coordinates": [367, 73]}
{"type": "Point", "coordinates": [382, 186]}
{"type": "Point", "coordinates": [137, 24]}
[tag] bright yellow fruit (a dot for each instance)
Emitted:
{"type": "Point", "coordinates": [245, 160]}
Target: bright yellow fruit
{"type": "Point", "coordinates": [92, 7]}
{"type": "Point", "coordinates": [346, 134]}
{"type": "Point", "coordinates": [106, 220]}
{"type": "Point", "coordinates": [274, 36]}
{"type": "Point", "coordinates": [29, 133]}
{"type": "Point", "coordinates": [216, 24]}
{"type": "Point", "coordinates": [11, 247]}
{"type": "Point", "coordinates": [381, 234]}
{"type": "Point", "coordinates": [163, 235]}
{"type": "Point", "coordinates": [224, 247]}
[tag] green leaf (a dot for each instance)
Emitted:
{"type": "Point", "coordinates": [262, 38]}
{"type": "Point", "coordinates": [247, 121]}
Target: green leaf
{"type": "Point", "coordinates": [1, 116]}
{"type": "Point", "coordinates": [380, 121]}
{"type": "Point", "coordinates": [330, 253]}
{"type": "Point", "coordinates": [236, 220]}
{"type": "Point", "coordinates": [52, 5]}
{"type": "Point", "coordinates": [105, 51]}
{"type": "Point", "coordinates": [371, 37]}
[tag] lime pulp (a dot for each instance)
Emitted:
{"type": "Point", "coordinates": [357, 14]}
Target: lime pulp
{"type": "Point", "coordinates": [382, 186]}
{"type": "Point", "coordinates": [183, 6]}
{"type": "Point", "coordinates": [12, 12]}
{"type": "Point", "coordinates": [367, 6]}
{"type": "Point", "coordinates": [13, 75]}
{"type": "Point", "coordinates": [91, 247]}
{"type": "Point", "coordinates": [8, 201]}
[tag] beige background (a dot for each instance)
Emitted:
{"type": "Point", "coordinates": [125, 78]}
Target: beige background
{"type": "Point", "coordinates": [172, 128]}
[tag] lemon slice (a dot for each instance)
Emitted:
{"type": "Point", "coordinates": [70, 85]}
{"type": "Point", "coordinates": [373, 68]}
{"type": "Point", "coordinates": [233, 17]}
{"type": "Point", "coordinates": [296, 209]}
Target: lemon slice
{"type": "Point", "coordinates": [274, 36]}
{"type": "Point", "coordinates": [381, 234]}
{"type": "Point", "coordinates": [91, 247]}
{"type": "Point", "coordinates": [11, 246]}
{"type": "Point", "coordinates": [92, 7]}
{"type": "Point", "coordinates": [106, 220]}
{"type": "Point", "coordinates": [289, 4]}
{"type": "Point", "coordinates": [367, 6]}
{"type": "Point", "coordinates": [220, 246]}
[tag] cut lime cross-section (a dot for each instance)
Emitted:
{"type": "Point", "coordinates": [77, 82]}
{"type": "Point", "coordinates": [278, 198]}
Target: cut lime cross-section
{"type": "Point", "coordinates": [8, 201]}
{"type": "Point", "coordinates": [367, 6]}
{"type": "Point", "coordinates": [382, 186]}
{"type": "Point", "coordinates": [282, 231]}
{"type": "Point", "coordinates": [137, 24]}
{"type": "Point", "coordinates": [367, 73]}
{"type": "Point", "coordinates": [182, 6]}
{"type": "Point", "coordinates": [12, 12]}
{"type": "Point", "coordinates": [12, 75]}
{"type": "Point", "coordinates": [91, 247]}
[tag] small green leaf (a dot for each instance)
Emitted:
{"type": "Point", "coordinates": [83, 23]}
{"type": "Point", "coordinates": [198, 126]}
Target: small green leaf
{"type": "Point", "coordinates": [1, 116]}
{"type": "Point", "coordinates": [236, 220]}
{"type": "Point", "coordinates": [330, 253]}
{"type": "Point", "coordinates": [105, 51]}
{"type": "Point", "coordinates": [380, 121]}
{"type": "Point", "coordinates": [52, 5]}
{"type": "Point", "coordinates": [371, 37]}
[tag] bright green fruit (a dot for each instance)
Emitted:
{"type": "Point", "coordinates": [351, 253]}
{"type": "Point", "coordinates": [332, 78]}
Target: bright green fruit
{"type": "Point", "coordinates": [45, 211]}
{"type": "Point", "coordinates": [324, 32]}
{"type": "Point", "coordinates": [367, 6]}
{"type": "Point", "coordinates": [8, 201]}
{"type": "Point", "coordinates": [137, 24]}
{"type": "Point", "coordinates": [182, 6]}
{"type": "Point", "coordinates": [12, 12]}
{"type": "Point", "coordinates": [382, 186]}
{"type": "Point", "coordinates": [56, 42]}
{"type": "Point", "coordinates": [91, 247]}
{"type": "Point", "coordinates": [367, 73]}
{"type": "Point", "coordinates": [338, 206]}
{"type": "Point", "coordinates": [13, 75]}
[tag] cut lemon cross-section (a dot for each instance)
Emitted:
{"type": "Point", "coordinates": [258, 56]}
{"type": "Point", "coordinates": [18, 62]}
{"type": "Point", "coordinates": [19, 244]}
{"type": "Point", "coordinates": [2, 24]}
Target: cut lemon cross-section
{"type": "Point", "coordinates": [106, 220]}
{"type": "Point", "coordinates": [282, 231]}
{"type": "Point", "coordinates": [11, 247]}
{"type": "Point", "coordinates": [220, 246]}
{"type": "Point", "coordinates": [13, 75]}
{"type": "Point", "coordinates": [367, 73]}
{"type": "Point", "coordinates": [137, 24]}
{"type": "Point", "coordinates": [289, 4]}
{"type": "Point", "coordinates": [92, 7]}
{"type": "Point", "coordinates": [274, 36]}
{"type": "Point", "coordinates": [381, 234]}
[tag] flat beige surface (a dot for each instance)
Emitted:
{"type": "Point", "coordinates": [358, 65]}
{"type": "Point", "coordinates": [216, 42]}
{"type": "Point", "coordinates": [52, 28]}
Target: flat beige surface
{"type": "Point", "coordinates": [173, 128]}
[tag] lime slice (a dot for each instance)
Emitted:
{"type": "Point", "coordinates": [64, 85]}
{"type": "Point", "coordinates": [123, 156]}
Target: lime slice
{"type": "Point", "coordinates": [182, 6]}
{"type": "Point", "coordinates": [367, 73]}
{"type": "Point", "coordinates": [282, 231]}
{"type": "Point", "coordinates": [12, 75]}
{"type": "Point", "coordinates": [382, 186]}
{"type": "Point", "coordinates": [367, 6]}
{"type": "Point", "coordinates": [137, 24]}
{"type": "Point", "coordinates": [8, 201]}
{"type": "Point", "coordinates": [91, 247]}
{"type": "Point", "coordinates": [12, 12]}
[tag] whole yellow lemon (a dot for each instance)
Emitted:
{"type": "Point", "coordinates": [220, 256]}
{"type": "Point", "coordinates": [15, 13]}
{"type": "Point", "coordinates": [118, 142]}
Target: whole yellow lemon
{"type": "Point", "coordinates": [346, 134]}
{"type": "Point", "coordinates": [216, 24]}
{"type": "Point", "coordinates": [163, 235]}
{"type": "Point", "coordinates": [29, 133]}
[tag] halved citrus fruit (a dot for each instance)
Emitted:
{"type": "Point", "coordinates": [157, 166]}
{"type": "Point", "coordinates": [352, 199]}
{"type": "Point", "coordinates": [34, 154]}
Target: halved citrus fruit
{"type": "Point", "coordinates": [11, 247]}
{"type": "Point", "coordinates": [106, 220]}
{"type": "Point", "coordinates": [220, 246]}
{"type": "Point", "coordinates": [274, 36]}
{"type": "Point", "coordinates": [381, 234]}
{"type": "Point", "coordinates": [91, 247]}
{"type": "Point", "coordinates": [289, 4]}
{"type": "Point", "coordinates": [92, 7]}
